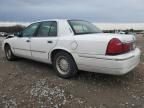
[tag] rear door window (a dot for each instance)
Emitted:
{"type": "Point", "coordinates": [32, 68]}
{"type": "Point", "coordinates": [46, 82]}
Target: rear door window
{"type": "Point", "coordinates": [47, 29]}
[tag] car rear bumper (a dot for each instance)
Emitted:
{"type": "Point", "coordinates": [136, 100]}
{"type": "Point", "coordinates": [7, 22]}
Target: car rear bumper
{"type": "Point", "coordinates": [116, 65]}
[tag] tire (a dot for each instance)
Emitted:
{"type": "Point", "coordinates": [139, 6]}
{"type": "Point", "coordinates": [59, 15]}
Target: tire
{"type": "Point", "coordinates": [64, 65]}
{"type": "Point", "coordinates": [8, 53]}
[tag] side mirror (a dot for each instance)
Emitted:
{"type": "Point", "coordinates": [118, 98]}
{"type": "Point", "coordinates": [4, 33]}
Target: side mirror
{"type": "Point", "coordinates": [18, 34]}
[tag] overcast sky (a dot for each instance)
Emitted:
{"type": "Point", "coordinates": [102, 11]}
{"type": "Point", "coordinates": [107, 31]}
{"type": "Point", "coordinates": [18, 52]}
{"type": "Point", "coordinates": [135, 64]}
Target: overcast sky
{"type": "Point", "coordinates": [91, 10]}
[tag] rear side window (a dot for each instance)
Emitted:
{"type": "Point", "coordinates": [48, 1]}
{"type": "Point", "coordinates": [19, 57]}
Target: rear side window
{"type": "Point", "coordinates": [47, 29]}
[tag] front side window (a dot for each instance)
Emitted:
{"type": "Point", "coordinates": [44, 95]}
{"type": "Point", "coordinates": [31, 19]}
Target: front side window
{"type": "Point", "coordinates": [30, 30]}
{"type": "Point", "coordinates": [83, 27]}
{"type": "Point", "coordinates": [47, 29]}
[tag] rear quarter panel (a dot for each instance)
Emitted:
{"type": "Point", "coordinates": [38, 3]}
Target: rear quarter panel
{"type": "Point", "coordinates": [91, 44]}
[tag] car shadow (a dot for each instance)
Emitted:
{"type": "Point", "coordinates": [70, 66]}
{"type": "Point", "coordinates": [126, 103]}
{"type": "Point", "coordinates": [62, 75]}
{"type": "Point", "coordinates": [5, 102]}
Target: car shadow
{"type": "Point", "coordinates": [105, 79]}
{"type": "Point", "coordinates": [82, 76]}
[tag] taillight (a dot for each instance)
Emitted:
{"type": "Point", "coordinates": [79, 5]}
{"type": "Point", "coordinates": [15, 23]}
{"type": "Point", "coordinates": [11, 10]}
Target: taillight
{"type": "Point", "coordinates": [127, 47]}
{"type": "Point", "coordinates": [115, 47]}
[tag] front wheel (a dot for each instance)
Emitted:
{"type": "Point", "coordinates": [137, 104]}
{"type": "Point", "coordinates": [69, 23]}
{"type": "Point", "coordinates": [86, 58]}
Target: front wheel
{"type": "Point", "coordinates": [64, 65]}
{"type": "Point", "coordinates": [9, 54]}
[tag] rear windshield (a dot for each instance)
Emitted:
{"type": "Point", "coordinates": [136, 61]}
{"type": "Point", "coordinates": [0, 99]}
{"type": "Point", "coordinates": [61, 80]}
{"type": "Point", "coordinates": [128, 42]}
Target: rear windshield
{"type": "Point", "coordinates": [83, 27]}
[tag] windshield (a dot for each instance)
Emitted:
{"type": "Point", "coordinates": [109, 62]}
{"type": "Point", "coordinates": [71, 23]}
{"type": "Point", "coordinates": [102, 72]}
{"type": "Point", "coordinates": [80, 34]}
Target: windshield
{"type": "Point", "coordinates": [83, 27]}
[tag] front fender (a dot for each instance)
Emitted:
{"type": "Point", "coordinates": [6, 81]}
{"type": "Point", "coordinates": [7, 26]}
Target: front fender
{"type": "Point", "coordinates": [7, 41]}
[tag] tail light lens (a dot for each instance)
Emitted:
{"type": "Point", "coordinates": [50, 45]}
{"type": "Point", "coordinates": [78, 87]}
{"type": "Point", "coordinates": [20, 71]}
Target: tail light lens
{"type": "Point", "coordinates": [116, 47]}
{"type": "Point", "coordinates": [127, 47]}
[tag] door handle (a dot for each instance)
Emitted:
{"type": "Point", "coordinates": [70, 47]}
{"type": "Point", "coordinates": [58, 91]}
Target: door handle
{"type": "Point", "coordinates": [27, 40]}
{"type": "Point", "coordinates": [50, 41]}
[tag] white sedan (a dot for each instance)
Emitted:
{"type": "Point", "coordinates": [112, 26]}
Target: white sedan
{"type": "Point", "coordinates": [72, 45]}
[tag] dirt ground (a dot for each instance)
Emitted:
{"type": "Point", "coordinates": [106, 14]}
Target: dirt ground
{"type": "Point", "coordinates": [29, 84]}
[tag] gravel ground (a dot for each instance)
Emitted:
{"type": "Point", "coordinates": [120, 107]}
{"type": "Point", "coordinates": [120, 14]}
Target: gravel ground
{"type": "Point", "coordinates": [29, 84]}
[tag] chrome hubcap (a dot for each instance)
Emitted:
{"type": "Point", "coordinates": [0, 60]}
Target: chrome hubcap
{"type": "Point", "coordinates": [62, 65]}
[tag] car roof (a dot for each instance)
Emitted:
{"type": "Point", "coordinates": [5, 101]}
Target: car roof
{"type": "Point", "coordinates": [50, 20]}
{"type": "Point", "coordinates": [56, 20]}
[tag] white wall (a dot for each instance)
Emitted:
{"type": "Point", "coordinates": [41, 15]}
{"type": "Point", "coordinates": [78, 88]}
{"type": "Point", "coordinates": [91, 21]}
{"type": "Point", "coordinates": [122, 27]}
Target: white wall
{"type": "Point", "coordinates": [5, 24]}
{"type": "Point", "coordinates": [120, 26]}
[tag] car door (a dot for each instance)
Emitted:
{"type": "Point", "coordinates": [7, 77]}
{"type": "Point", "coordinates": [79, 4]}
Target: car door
{"type": "Point", "coordinates": [22, 43]}
{"type": "Point", "coordinates": [44, 41]}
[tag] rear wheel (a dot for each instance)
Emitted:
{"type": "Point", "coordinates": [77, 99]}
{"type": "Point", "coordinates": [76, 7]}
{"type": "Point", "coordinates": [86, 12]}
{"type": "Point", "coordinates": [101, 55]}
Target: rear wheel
{"type": "Point", "coordinates": [9, 55]}
{"type": "Point", "coordinates": [64, 65]}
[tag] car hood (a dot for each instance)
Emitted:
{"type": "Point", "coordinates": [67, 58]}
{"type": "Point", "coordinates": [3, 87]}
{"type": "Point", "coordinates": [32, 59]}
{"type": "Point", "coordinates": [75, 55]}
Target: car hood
{"type": "Point", "coordinates": [10, 36]}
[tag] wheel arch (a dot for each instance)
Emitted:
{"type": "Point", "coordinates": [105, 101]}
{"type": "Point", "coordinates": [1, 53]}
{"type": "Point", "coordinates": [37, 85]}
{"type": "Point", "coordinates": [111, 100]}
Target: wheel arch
{"type": "Point", "coordinates": [55, 51]}
{"type": "Point", "coordinates": [6, 44]}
